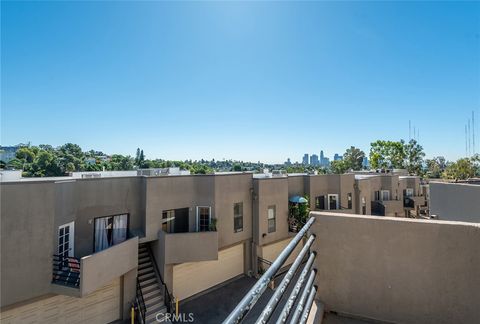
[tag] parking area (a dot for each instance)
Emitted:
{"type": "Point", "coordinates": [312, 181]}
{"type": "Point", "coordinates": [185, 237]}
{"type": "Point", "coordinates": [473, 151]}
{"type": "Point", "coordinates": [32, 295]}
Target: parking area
{"type": "Point", "coordinates": [216, 305]}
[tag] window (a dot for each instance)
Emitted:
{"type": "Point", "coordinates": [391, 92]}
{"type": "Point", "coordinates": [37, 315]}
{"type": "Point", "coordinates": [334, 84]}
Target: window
{"type": "Point", "coordinates": [333, 202]}
{"type": "Point", "coordinates": [385, 195]}
{"type": "Point", "coordinates": [364, 206]}
{"type": "Point", "coordinates": [409, 192]}
{"type": "Point", "coordinates": [168, 221]}
{"type": "Point", "coordinates": [271, 219]}
{"type": "Point", "coordinates": [109, 231]}
{"type": "Point", "coordinates": [238, 217]}
{"type": "Point", "coordinates": [349, 200]}
{"type": "Point", "coordinates": [377, 195]}
{"type": "Point", "coordinates": [320, 202]}
{"type": "Point", "coordinates": [203, 219]}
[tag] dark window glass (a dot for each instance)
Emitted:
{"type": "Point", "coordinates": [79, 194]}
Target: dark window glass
{"type": "Point", "coordinates": [349, 200]}
{"type": "Point", "coordinates": [271, 216]}
{"type": "Point", "coordinates": [238, 217]}
{"type": "Point", "coordinates": [320, 202]}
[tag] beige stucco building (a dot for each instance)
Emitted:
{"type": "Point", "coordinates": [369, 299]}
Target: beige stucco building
{"type": "Point", "coordinates": [97, 244]}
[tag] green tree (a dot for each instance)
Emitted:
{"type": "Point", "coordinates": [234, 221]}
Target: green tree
{"type": "Point", "coordinates": [414, 157]}
{"type": "Point", "coordinates": [339, 167]}
{"type": "Point", "coordinates": [353, 158]}
{"type": "Point", "coordinates": [25, 154]}
{"type": "Point", "coordinates": [387, 154]}
{"type": "Point", "coordinates": [462, 169]}
{"type": "Point", "coordinates": [435, 167]}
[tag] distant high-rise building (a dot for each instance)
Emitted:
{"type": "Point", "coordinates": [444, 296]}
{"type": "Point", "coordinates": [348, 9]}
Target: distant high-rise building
{"type": "Point", "coordinates": [365, 163]}
{"type": "Point", "coordinates": [305, 159]}
{"type": "Point", "coordinates": [288, 162]}
{"type": "Point", "coordinates": [314, 160]}
{"type": "Point", "coordinates": [324, 161]}
{"type": "Point", "coordinates": [337, 157]}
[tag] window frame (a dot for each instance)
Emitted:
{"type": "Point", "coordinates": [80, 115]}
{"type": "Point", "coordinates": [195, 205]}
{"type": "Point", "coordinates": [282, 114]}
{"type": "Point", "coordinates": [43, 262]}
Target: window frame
{"type": "Point", "coordinates": [382, 192]}
{"type": "Point", "coordinates": [237, 217]}
{"type": "Point", "coordinates": [337, 205]}
{"type": "Point", "coordinates": [349, 200]}
{"type": "Point", "coordinates": [198, 218]}
{"type": "Point", "coordinates": [272, 229]}
{"type": "Point", "coordinates": [320, 199]}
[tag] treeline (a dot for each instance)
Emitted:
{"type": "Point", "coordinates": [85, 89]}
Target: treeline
{"type": "Point", "coordinates": [48, 161]}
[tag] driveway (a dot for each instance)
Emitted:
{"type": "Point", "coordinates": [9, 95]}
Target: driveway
{"type": "Point", "coordinates": [214, 306]}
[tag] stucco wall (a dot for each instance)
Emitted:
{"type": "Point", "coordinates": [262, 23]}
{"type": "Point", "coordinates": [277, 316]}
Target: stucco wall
{"type": "Point", "coordinates": [455, 201]}
{"type": "Point", "coordinates": [268, 192]}
{"type": "Point", "coordinates": [84, 200]}
{"type": "Point", "coordinates": [26, 246]}
{"type": "Point", "coordinates": [231, 189]}
{"type": "Point", "coordinates": [173, 192]}
{"type": "Point", "coordinates": [398, 270]}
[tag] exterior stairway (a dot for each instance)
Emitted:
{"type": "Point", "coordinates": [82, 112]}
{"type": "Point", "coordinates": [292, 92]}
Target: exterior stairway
{"type": "Point", "coordinates": [150, 285]}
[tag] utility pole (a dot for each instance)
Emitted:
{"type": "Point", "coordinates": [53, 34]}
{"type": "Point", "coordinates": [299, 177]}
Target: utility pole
{"type": "Point", "coordinates": [469, 142]}
{"type": "Point", "coordinates": [473, 131]}
{"type": "Point", "coordinates": [409, 130]}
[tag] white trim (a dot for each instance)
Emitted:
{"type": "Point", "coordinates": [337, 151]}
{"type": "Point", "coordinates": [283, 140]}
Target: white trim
{"type": "Point", "coordinates": [411, 191]}
{"type": "Point", "coordinates": [328, 201]}
{"type": "Point", "coordinates": [197, 228]}
{"type": "Point", "coordinates": [71, 237]}
{"type": "Point", "coordinates": [381, 195]}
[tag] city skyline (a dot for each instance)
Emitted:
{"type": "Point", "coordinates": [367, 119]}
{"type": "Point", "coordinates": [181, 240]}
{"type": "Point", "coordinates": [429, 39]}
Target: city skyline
{"type": "Point", "coordinates": [243, 81]}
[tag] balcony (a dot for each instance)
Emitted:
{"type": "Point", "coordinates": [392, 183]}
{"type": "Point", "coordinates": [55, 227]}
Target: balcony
{"type": "Point", "coordinates": [189, 246]}
{"type": "Point", "coordinates": [78, 277]}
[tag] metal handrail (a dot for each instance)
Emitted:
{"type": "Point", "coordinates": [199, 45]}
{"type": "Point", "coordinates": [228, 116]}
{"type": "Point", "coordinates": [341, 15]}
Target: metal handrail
{"type": "Point", "coordinates": [140, 302]}
{"type": "Point", "coordinates": [260, 286]}
{"type": "Point", "coordinates": [282, 287]}
{"type": "Point", "coordinates": [166, 294]}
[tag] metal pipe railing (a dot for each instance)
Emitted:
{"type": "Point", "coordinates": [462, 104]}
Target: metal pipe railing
{"type": "Point", "coordinates": [296, 290]}
{"type": "Point", "coordinates": [308, 306]}
{"type": "Point", "coordinates": [277, 296]}
{"type": "Point", "coordinates": [260, 286]}
{"type": "Point", "coordinates": [303, 299]}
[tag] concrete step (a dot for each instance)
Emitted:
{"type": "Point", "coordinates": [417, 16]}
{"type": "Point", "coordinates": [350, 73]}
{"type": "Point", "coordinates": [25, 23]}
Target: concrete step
{"type": "Point", "coordinates": [143, 260]}
{"type": "Point", "coordinates": [150, 315]}
{"type": "Point", "coordinates": [144, 265]}
{"type": "Point", "coordinates": [153, 300]}
{"type": "Point", "coordinates": [143, 255]}
{"type": "Point", "coordinates": [148, 283]}
{"type": "Point", "coordinates": [154, 291]}
{"type": "Point", "coordinates": [145, 271]}
{"type": "Point", "coordinates": [151, 288]}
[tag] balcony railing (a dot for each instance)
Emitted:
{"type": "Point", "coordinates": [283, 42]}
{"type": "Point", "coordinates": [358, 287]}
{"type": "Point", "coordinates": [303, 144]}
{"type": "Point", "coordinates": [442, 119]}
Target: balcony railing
{"type": "Point", "coordinates": [305, 282]}
{"type": "Point", "coordinates": [94, 271]}
{"type": "Point", "coordinates": [66, 271]}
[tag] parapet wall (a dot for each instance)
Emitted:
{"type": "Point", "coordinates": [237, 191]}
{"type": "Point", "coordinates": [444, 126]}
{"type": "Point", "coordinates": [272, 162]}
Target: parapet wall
{"type": "Point", "coordinates": [398, 270]}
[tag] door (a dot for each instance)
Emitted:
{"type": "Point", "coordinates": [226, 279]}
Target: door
{"type": "Point", "coordinates": [181, 220]}
{"type": "Point", "coordinates": [332, 202]}
{"type": "Point", "coordinates": [203, 218]}
{"type": "Point", "coordinates": [65, 246]}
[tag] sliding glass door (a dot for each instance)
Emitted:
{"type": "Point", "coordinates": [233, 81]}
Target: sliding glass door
{"type": "Point", "coordinates": [110, 230]}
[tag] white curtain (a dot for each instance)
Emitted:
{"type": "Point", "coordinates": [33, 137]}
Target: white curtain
{"type": "Point", "coordinates": [119, 229]}
{"type": "Point", "coordinates": [101, 235]}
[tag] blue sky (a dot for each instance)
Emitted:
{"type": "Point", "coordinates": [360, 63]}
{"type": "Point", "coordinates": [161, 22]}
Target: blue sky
{"type": "Point", "coordinates": [249, 81]}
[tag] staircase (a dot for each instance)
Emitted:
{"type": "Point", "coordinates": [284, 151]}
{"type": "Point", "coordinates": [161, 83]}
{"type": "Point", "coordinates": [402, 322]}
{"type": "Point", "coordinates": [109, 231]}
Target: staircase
{"type": "Point", "coordinates": [151, 286]}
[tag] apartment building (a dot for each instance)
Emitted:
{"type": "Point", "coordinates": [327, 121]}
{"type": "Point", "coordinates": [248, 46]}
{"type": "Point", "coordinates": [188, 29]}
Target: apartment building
{"type": "Point", "coordinates": [388, 194]}
{"type": "Point", "coordinates": [85, 249]}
